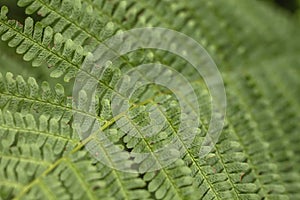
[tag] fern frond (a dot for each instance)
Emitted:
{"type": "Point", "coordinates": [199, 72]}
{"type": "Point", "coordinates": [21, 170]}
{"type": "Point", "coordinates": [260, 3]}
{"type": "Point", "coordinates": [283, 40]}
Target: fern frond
{"type": "Point", "coordinates": [73, 20]}
{"type": "Point", "coordinates": [19, 95]}
{"type": "Point", "coordinates": [57, 170]}
{"type": "Point", "coordinates": [272, 133]}
{"type": "Point", "coordinates": [122, 185]}
{"type": "Point", "coordinates": [18, 129]}
{"type": "Point", "coordinates": [256, 155]}
{"type": "Point", "coordinates": [267, 176]}
{"type": "Point", "coordinates": [38, 44]}
{"type": "Point", "coordinates": [20, 165]}
{"type": "Point", "coordinates": [28, 148]}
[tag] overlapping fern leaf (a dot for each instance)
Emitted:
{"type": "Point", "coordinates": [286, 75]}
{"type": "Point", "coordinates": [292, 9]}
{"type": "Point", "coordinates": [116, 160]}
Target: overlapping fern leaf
{"type": "Point", "coordinates": [256, 156]}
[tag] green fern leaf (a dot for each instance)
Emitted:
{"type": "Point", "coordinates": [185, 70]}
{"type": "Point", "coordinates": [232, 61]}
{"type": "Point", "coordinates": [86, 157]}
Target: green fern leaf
{"type": "Point", "coordinates": [43, 154]}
